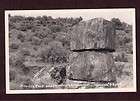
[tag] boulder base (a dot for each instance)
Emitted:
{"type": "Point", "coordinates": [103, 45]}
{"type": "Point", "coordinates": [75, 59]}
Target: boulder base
{"type": "Point", "coordinates": [91, 66]}
{"type": "Point", "coordinates": [97, 33]}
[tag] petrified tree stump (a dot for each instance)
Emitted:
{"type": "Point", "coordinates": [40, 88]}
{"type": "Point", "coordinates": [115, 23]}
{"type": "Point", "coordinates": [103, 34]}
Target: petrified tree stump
{"type": "Point", "coordinates": [97, 33]}
{"type": "Point", "coordinates": [91, 66]}
{"type": "Point", "coordinates": [91, 43]}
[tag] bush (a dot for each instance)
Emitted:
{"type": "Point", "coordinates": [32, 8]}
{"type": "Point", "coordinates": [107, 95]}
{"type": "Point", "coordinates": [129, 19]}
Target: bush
{"type": "Point", "coordinates": [15, 19]}
{"type": "Point", "coordinates": [12, 25]}
{"type": "Point", "coordinates": [41, 20]}
{"type": "Point", "coordinates": [55, 56]}
{"type": "Point", "coordinates": [42, 32]}
{"type": "Point", "coordinates": [58, 74]}
{"type": "Point", "coordinates": [26, 70]}
{"type": "Point", "coordinates": [31, 19]}
{"type": "Point", "coordinates": [25, 52]}
{"type": "Point", "coordinates": [64, 38]}
{"type": "Point", "coordinates": [15, 59]}
{"type": "Point", "coordinates": [121, 57]}
{"type": "Point", "coordinates": [55, 53]}
{"type": "Point", "coordinates": [21, 37]}
{"type": "Point", "coordinates": [48, 39]}
{"type": "Point", "coordinates": [27, 84]}
{"type": "Point", "coordinates": [124, 41]}
{"type": "Point", "coordinates": [24, 26]}
{"type": "Point", "coordinates": [35, 40]}
{"type": "Point", "coordinates": [117, 23]}
{"type": "Point", "coordinates": [14, 46]}
{"type": "Point", "coordinates": [12, 75]}
{"type": "Point", "coordinates": [56, 28]}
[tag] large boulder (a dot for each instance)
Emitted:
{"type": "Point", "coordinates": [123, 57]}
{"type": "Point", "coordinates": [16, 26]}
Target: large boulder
{"type": "Point", "coordinates": [91, 66]}
{"type": "Point", "coordinates": [96, 33]}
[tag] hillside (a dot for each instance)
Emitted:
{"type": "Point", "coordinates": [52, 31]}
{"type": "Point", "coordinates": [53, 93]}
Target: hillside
{"type": "Point", "coordinates": [40, 48]}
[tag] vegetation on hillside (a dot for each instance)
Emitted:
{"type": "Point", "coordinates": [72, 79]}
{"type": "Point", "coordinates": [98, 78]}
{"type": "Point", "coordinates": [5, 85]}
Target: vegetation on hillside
{"type": "Point", "coordinates": [43, 40]}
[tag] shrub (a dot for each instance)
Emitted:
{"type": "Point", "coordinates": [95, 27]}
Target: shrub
{"type": "Point", "coordinates": [12, 25]}
{"type": "Point", "coordinates": [55, 56]}
{"type": "Point", "coordinates": [35, 40]}
{"type": "Point", "coordinates": [30, 18]}
{"type": "Point", "coordinates": [24, 26]}
{"type": "Point", "coordinates": [42, 32]}
{"type": "Point", "coordinates": [25, 52]}
{"type": "Point", "coordinates": [21, 37]}
{"type": "Point", "coordinates": [121, 57]}
{"type": "Point", "coordinates": [14, 46]}
{"type": "Point", "coordinates": [27, 84]}
{"type": "Point", "coordinates": [12, 75]}
{"type": "Point", "coordinates": [15, 19]}
{"type": "Point", "coordinates": [15, 59]}
{"type": "Point", "coordinates": [56, 28]}
{"type": "Point", "coordinates": [49, 38]}
{"type": "Point", "coordinates": [26, 70]}
{"type": "Point", "coordinates": [58, 74]}
{"type": "Point", "coordinates": [64, 38]}
{"type": "Point", "coordinates": [55, 53]}
{"type": "Point", "coordinates": [117, 23]}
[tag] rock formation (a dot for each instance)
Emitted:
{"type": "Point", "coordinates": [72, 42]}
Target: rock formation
{"type": "Point", "coordinates": [97, 33]}
{"type": "Point", "coordinates": [92, 66]}
{"type": "Point", "coordinates": [91, 42]}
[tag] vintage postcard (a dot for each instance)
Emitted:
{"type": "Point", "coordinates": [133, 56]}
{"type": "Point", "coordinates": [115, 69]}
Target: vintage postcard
{"type": "Point", "coordinates": [70, 51]}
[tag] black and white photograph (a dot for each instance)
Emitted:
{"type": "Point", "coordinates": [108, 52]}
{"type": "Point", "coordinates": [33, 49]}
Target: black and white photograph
{"type": "Point", "coordinates": [70, 51]}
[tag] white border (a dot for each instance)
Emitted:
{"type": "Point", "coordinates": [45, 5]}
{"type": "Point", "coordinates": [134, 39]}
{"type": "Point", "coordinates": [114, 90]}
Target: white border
{"type": "Point", "coordinates": [8, 91]}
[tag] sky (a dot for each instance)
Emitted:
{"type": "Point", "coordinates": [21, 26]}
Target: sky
{"type": "Point", "coordinates": [125, 15]}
